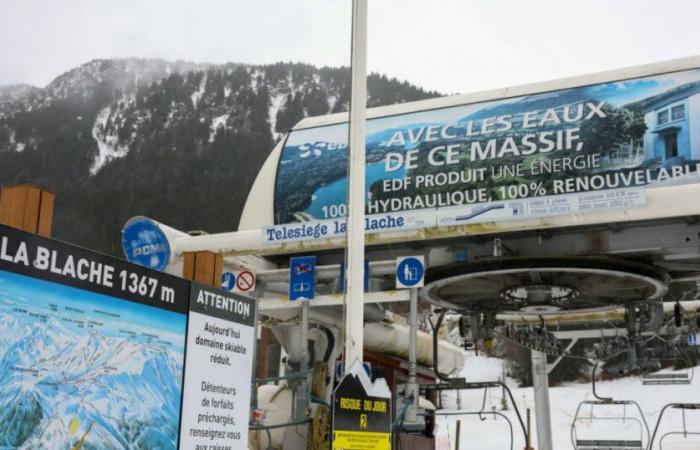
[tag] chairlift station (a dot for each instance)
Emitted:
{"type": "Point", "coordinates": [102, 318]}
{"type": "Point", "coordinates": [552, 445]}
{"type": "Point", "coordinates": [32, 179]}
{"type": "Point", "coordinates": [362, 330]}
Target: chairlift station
{"type": "Point", "coordinates": [544, 215]}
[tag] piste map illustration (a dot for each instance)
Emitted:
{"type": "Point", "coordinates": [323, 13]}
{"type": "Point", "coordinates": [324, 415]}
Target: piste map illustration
{"type": "Point", "coordinates": [81, 370]}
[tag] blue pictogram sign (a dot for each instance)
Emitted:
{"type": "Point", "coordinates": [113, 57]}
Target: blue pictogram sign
{"type": "Point", "coordinates": [302, 278]}
{"type": "Point", "coordinates": [228, 281]}
{"type": "Point", "coordinates": [410, 272]}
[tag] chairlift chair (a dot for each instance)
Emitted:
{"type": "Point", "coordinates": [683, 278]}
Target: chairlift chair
{"type": "Point", "coordinates": [685, 433]}
{"type": "Point", "coordinates": [634, 443]}
{"type": "Point", "coordinates": [482, 415]}
{"type": "Point", "coordinates": [667, 379]}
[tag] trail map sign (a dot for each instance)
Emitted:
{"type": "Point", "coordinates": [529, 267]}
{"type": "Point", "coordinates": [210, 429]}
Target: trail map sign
{"type": "Point", "coordinates": [579, 150]}
{"type": "Point", "coordinates": [220, 339]}
{"type": "Point", "coordinates": [92, 348]}
{"type": "Point", "coordinates": [92, 353]}
{"type": "Point", "coordinates": [361, 412]}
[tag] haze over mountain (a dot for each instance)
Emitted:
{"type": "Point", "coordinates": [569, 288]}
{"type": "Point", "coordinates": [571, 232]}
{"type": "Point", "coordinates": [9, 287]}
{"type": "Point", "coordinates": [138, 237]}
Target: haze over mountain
{"type": "Point", "coordinates": [179, 142]}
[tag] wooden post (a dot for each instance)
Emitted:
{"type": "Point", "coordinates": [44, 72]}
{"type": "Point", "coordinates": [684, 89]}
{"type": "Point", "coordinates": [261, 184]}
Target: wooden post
{"type": "Point", "coordinates": [28, 208]}
{"type": "Point", "coordinates": [203, 267]}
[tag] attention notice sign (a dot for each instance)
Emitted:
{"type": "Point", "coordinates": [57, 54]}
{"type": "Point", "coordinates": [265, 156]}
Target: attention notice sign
{"type": "Point", "coordinates": [219, 364]}
{"type": "Point", "coordinates": [361, 412]}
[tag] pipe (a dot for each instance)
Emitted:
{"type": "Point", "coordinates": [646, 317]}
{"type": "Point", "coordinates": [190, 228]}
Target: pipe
{"type": "Point", "coordinates": [392, 338]}
{"type": "Point", "coordinates": [586, 315]}
{"type": "Point", "coordinates": [435, 328]}
{"type": "Point", "coordinates": [327, 272]}
{"type": "Point", "coordinates": [278, 425]}
{"type": "Point", "coordinates": [331, 343]}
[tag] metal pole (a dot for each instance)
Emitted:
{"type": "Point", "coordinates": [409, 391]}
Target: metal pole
{"type": "Point", "coordinates": [540, 382]}
{"type": "Point", "coordinates": [258, 294]}
{"type": "Point", "coordinates": [527, 435]}
{"type": "Point", "coordinates": [412, 348]}
{"type": "Point", "coordinates": [504, 402]}
{"type": "Point", "coordinates": [302, 385]}
{"type": "Point", "coordinates": [457, 433]}
{"type": "Point", "coordinates": [354, 305]}
{"type": "Point", "coordinates": [304, 335]}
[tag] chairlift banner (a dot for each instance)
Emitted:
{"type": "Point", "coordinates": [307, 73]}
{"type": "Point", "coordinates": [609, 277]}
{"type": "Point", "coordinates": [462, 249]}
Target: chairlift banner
{"type": "Point", "coordinates": [580, 150]}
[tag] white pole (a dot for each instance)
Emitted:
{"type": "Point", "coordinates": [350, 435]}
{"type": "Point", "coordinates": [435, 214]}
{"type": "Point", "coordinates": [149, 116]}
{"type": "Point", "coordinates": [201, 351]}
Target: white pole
{"type": "Point", "coordinates": [354, 305]}
{"type": "Point", "coordinates": [540, 382]}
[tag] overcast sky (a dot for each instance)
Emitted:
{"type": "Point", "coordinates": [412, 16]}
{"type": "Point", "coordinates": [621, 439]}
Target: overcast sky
{"type": "Point", "coordinates": [453, 46]}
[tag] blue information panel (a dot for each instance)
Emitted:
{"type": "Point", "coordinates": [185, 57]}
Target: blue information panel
{"type": "Point", "coordinates": [145, 244]}
{"type": "Point", "coordinates": [302, 278]}
{"type": "Point", "coordinates": [410, 272]}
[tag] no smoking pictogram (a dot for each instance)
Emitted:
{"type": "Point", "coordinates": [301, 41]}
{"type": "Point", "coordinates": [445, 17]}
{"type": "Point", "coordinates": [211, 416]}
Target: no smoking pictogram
{"type": "Point", "coordinates": [245, 281]}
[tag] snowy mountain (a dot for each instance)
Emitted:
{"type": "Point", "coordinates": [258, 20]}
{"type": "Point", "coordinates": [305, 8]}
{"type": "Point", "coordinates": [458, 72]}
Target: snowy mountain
{"type": "Point", "coordinates": [178, 141]}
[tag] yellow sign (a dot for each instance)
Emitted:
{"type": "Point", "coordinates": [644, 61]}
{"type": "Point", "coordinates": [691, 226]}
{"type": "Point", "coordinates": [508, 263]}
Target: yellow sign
{"type": "Point", "coordinates": [361, 440]}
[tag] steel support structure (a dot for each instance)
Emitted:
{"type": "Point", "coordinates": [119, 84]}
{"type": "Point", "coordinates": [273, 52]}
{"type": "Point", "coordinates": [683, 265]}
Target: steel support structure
{"type": "Point", "coordinates": [540, 382]}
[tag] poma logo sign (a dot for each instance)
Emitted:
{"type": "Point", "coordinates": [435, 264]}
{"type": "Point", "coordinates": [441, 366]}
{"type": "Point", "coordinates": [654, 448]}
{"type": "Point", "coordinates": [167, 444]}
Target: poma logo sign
{"type": "Point", "coordinates": [145, 244]}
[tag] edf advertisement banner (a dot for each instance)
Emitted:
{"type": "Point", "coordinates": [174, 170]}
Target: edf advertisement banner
{"type": "Point", "coordinates": [570, 151]}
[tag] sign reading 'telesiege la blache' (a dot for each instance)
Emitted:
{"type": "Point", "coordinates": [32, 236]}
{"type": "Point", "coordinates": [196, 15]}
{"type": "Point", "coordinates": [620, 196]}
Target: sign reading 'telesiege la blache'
{"type": "Point", "coordinates": [570, 151]}
{"type": "Point", "coordinates": [219, 361]}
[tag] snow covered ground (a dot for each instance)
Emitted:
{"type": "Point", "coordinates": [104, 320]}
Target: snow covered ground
{"type": "Point", "coordinates": [493, 434]}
